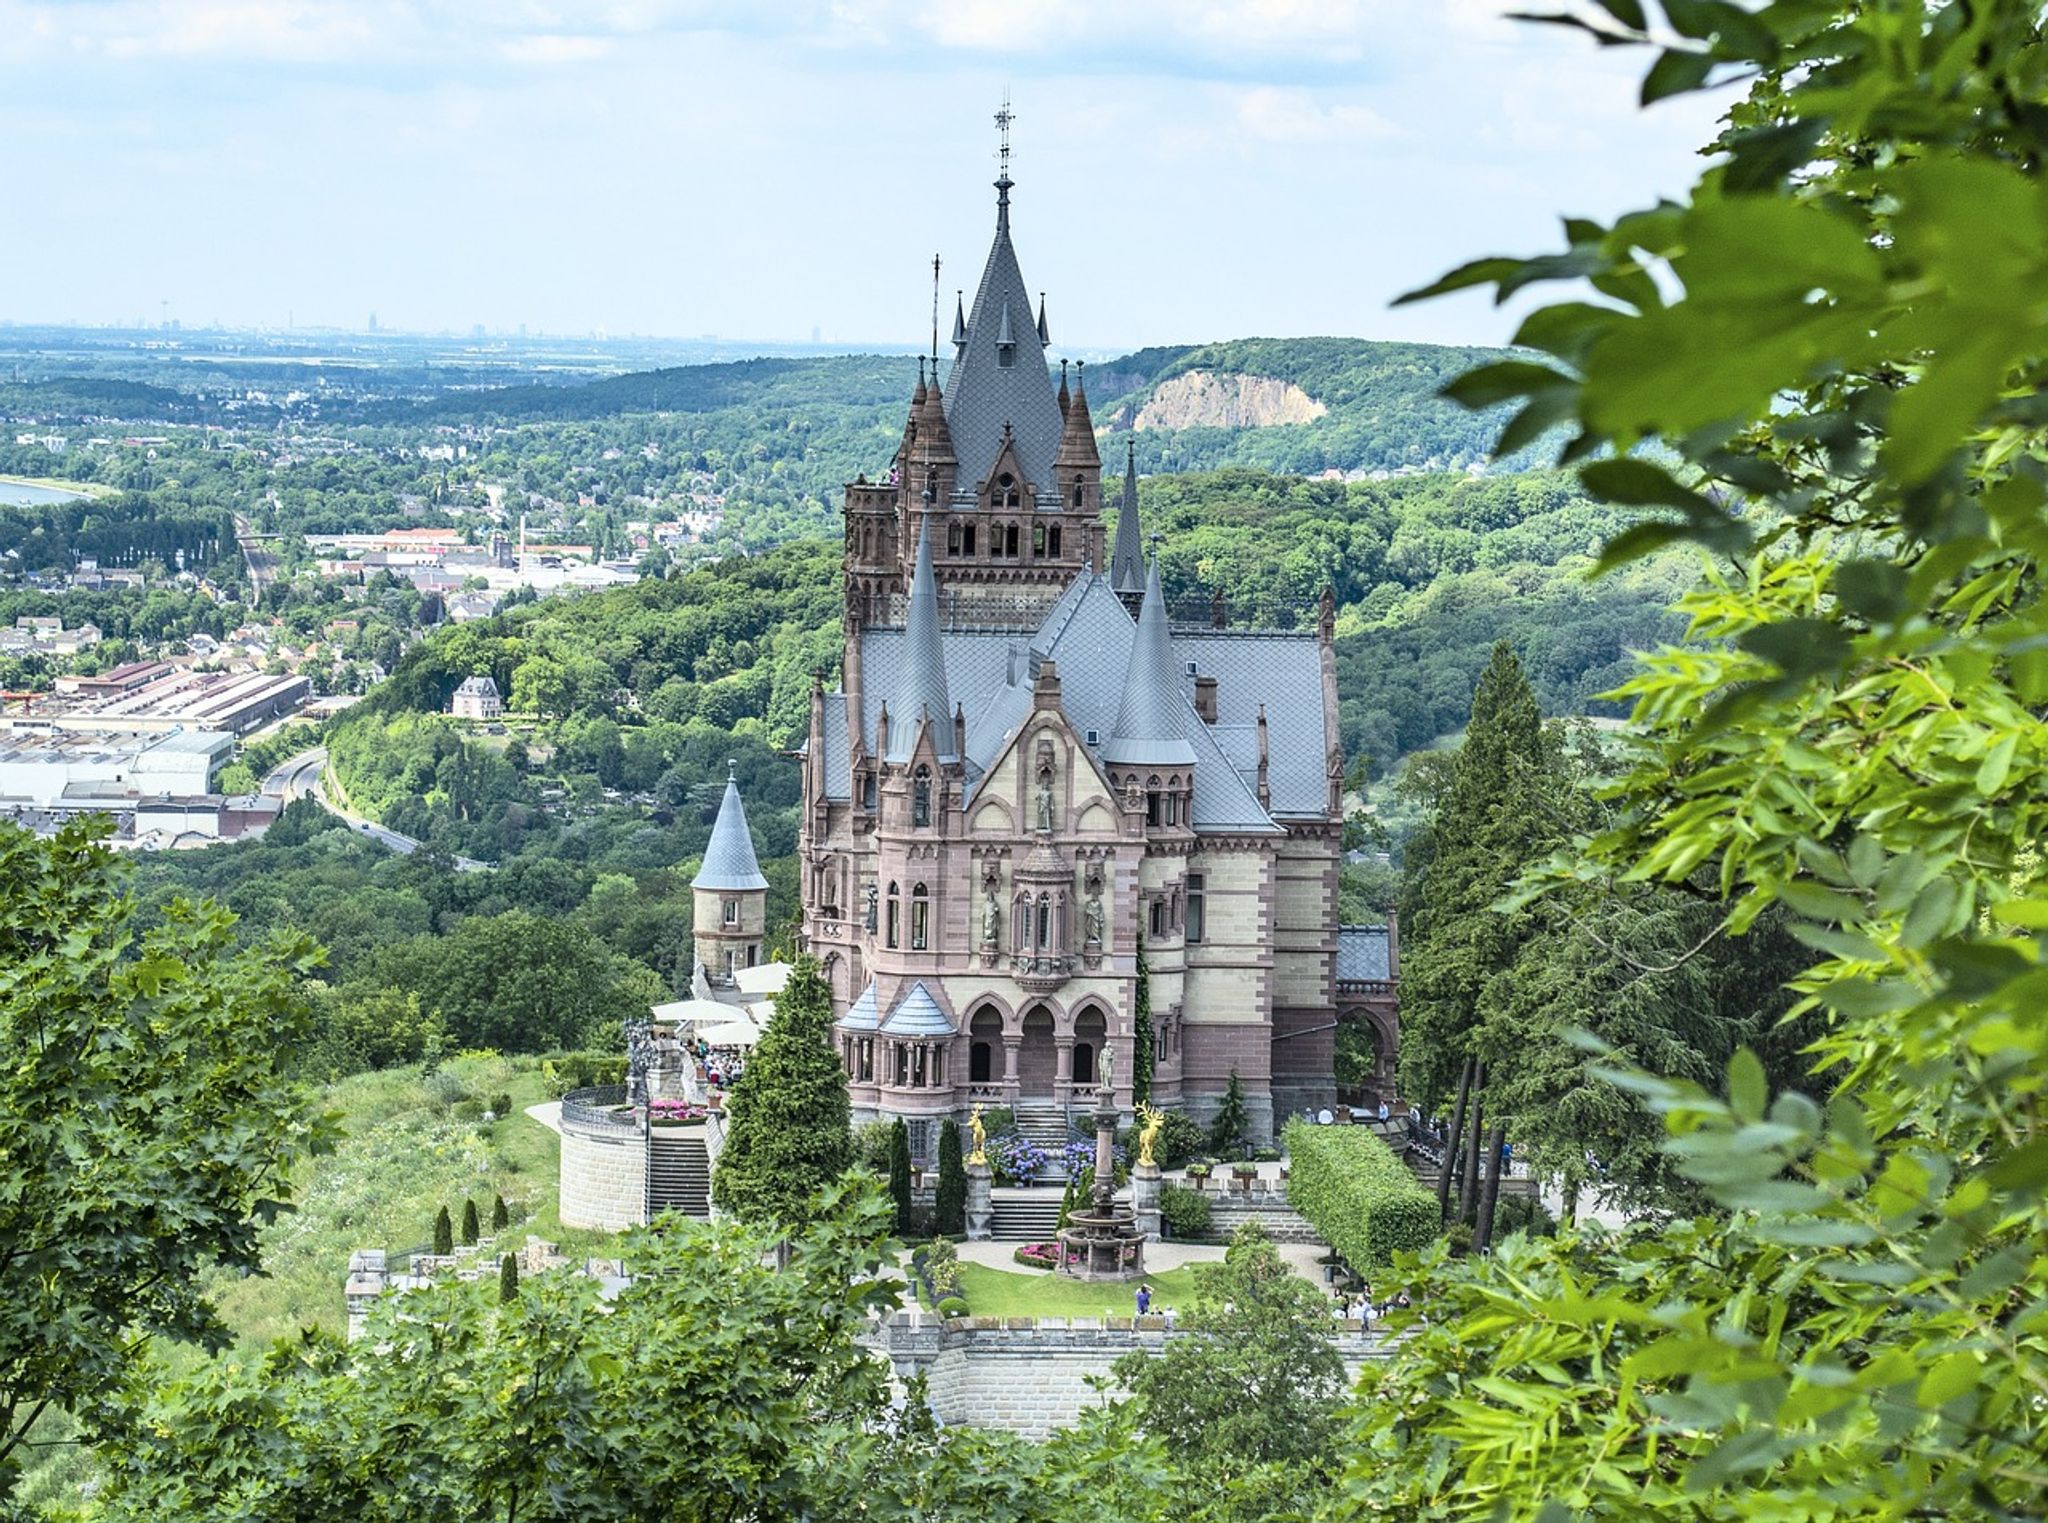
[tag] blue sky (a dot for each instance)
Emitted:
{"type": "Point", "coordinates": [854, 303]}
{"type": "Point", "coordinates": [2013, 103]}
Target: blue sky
{"type": "Point", "coordinates": [1186, 170]}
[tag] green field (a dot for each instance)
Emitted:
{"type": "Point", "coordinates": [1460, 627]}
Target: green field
{"type": "Point", "coordinates": [1041, 1293]}
{"type": "Point", "coordinates": [412, 1144]}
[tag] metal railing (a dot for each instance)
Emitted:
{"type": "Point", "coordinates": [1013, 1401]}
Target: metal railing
{"type": "Point", "coordinates": [598, 1107]}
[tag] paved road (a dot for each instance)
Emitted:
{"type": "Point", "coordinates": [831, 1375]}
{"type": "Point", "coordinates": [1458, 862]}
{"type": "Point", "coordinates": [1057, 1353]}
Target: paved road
{"type": "Point", "coordinates": [305, 776]}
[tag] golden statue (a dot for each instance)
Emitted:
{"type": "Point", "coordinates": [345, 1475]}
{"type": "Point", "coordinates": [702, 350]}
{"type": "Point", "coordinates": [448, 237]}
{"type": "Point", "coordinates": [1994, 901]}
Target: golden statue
{"type": "Point", "coordinates": [1153, 1118]}
{"type": "Point", "coordinates": [980, 1153]}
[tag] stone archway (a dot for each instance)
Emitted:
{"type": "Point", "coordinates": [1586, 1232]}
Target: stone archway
{"type": "Point", "coordinates": [1090, 1032]}
{"type": "Point", "coordinates": [985, 1047]}
{"type": "Point", "coordinates": [1037, 1057]}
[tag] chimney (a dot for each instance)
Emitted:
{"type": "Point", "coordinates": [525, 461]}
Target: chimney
{"type": "Point", "coordinates": [1205, 699]}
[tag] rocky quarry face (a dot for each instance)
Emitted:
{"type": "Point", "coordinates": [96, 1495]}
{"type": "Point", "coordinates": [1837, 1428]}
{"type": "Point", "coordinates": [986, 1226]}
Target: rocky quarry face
{"type": "Point", "coordinates": [1204, 399]}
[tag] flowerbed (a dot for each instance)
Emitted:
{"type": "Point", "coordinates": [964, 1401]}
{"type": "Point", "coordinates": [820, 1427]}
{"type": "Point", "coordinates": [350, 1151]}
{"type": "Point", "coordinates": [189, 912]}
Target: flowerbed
{"type": "Point", "coordinates": [1015, 1159]}
{"type": "Point", "coordinates": [1038, 1255]}
{"type": "Point", "coordinates": [676, 1113]}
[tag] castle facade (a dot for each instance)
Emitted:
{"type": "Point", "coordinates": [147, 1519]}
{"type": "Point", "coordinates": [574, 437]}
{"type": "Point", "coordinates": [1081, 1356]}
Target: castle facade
{"type": "Point", "coordinates": [1035, 787]}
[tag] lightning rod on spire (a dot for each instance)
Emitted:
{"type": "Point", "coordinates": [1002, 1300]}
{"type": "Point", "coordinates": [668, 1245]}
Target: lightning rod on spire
{"type": "Point", "coordinates": [1003, 119]}
{"type": "Point", "coordinates": [935, 317]}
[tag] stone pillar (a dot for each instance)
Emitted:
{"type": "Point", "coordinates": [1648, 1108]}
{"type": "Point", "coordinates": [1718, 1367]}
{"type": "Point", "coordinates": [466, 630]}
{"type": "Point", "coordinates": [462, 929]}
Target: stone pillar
{"type": "Point", "coordinates": [1012, 1042]}
{"type": "Point", "coordinates": [1145, 1198]}
{"type": "Point", "coordinates": [981, 1203]}
{"type": "Point", "coordinates": [1063, 1068]}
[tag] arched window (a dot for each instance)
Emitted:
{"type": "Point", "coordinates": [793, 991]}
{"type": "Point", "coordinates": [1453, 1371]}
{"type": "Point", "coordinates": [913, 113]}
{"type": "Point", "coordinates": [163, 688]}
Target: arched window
{"type": "Point", "coordinates": [920, 917]}
{"type": "Point", "coordinates": [1044, 922]}
{"type": "Point", "coordinates": [1006, 491]}
{"type": "Point", "coordinates": [1010, 540]}
{"type": "Point", "coordinates": [1084, 1063]}
{"type": "Point", "coordinates": [952, 539]}
{"type": "Point", "coordinates": [1052, 540]}
{"type": "Point", "coordinates": [895, 917]}
{"type": "Point", "coordinates": [978, 1063]}
{"type": "Point", "coordinates": [931, 483]}
{"type": "Point", "coordinates": [1077, 491]}
{"type": "Point", "coordinates": [967, 539]}
{"type": "Point", "coordinates": [921, 797]}
{"type": "Point", "coordinates": [1038, 539]}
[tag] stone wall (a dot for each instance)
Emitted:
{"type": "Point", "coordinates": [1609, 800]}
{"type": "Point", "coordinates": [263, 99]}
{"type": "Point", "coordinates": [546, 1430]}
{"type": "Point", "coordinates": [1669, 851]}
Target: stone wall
{"type": "Point", "coordinates": [1031, 1377]}
{"type": "Point", "coordinates": [603, 1176]}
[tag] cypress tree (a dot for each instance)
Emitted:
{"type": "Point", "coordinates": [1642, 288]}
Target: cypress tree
{"type": "Point", "coordinates": [1227, 1137]}
{"type": "Point", "coordinates": [952, 1191]}
{"type": "Point", "coordinates": [470, 1232]}
{"type": "Point", "coordinates": [791, 1126]}
{"type": "Point", "coordinates": [501, 1215]}
{"type": "Point", "coordinates": [899, 1173]}
{"type": "Point", "coordinates": [508, 1279]}
{"type": "Point", "coordinates": [444, 1234]}
{"type": "Point", "coordinates": [1141, 1032]}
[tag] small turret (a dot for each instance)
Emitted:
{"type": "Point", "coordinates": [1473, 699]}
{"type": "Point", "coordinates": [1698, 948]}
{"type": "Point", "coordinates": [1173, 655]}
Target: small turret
{"type": "Point", "coordinates": [729, 894]}
{"type": "Point", "coordinates": [1149, 722]}
{"type": "Point", "coordinates": [921, 683]}
{"type": "Point", "coordinates": [1127, 561]}
{"type": "Point", "coordinates": [1077, 440]}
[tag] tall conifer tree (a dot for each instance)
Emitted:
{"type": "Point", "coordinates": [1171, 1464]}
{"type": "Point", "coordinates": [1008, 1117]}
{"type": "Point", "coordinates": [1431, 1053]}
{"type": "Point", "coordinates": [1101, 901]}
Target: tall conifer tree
{"type": "Point", "coordinates": [791, 1131]}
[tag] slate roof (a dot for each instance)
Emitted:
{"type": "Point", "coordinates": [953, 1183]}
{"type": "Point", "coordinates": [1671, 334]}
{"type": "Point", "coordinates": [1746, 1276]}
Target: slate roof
{"type": "Point", "coordinates": [921, 684]}
{"type": "Point", "coordinates": [917, 1014]}
{"type": "Point", "coordinates": [862, 1014]}
{"type": "Point", "coordinates": [1091, 635]}
{"type": "Point", "coordinates": [1127, 560]}
{"type": "Point", "coordinates": [729, 861]}
{"type": "Point", "coordinates": [982, 393]}
{"type": "Point", "coordinates": [477, 687]}
{"type": "Point", "coordinates": [1150, 721]}
{"type": "Point", "coordinates": [1362, 954]}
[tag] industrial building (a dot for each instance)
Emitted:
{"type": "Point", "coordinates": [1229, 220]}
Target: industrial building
{"type": "Point", "coordinates": [46, 768]}
{"type": "Point", "coordinates": [156, 696]}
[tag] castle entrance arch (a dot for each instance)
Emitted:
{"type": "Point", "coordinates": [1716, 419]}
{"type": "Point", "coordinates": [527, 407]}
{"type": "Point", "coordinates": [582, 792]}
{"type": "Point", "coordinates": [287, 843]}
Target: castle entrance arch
{"type": "Point", "coordinates": [1037, 1057]}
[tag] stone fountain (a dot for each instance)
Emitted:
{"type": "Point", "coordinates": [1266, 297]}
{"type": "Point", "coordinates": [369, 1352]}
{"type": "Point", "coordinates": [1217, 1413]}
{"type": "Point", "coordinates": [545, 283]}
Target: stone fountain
{"type": "Point", "coordinates": [1103, 1241]}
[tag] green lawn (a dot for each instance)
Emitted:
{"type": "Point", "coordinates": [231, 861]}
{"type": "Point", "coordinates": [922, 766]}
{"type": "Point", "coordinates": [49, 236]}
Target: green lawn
{"type": "Point", "coordinates": [412, 1144]}
{"type": "Point", "coordinates": [1042, 1293]}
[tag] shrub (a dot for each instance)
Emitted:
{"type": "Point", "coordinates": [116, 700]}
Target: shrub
{"type": "Point", "coordinates": [444, 1234]}
{"type": "Point", "coordinates": [508, 1279]}
{"type": "Point", "coordinates": [1038, 1255]}
{"type": "Point", "coordinates": [1015, 1159]}
{"type": "Point", "coordinates": [998, 1118]}
{"type": "Point", "coordinates": [1522, 1213]}
{"type": "Point", "coordinates": [1359, 1196]}
{"type": "Point", "coordinates": [583, 1070]}
{"type": "Point", "coordinates": [871, 1146]}
{"type": "Point", "coordinates": [1180, 1138]}
{"type": "Point", "coordinates": [501, 1105]}
{"type": "Point", "coordinates": [472, 1229]}
{"type": "Point", "coordinates": [501, 1214]}
{"type": "Point", "coordinates": [1185, 1212]}
{"type": "Point", "coordinates": [1198, 1171]}
{"type": "Point", "coordinates": [1266, 1155]}
{"type": "Point", "coordinates": [952, 1306]}
{"type": "Point", "coordinates": [942, 1267]}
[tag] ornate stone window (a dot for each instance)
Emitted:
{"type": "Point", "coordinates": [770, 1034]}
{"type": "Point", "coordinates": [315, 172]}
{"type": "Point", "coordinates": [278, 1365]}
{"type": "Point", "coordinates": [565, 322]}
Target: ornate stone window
{"type": "Point", "coordinates": [1077, 492]}
{"type": "Point", "coordinates": [920, 917]}
{"type": "Point", "coordinates": [1052, 540]}
{"type": "Point", "coordinates": [1197, 895]}
{"type": "Point", "coordinates": [895, 935]}
{"type": "Point", "coordinates": [921, 797]}
{"type": "Point", "coordinates": [1005, 494]}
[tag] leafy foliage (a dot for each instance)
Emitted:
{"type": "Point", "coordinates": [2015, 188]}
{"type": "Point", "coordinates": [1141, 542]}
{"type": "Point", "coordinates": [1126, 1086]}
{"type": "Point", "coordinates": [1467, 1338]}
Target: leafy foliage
{"type": "Point", "coordinates": [1186, 1212]}
{"type": "Point", "coordinates": [899, 1174]}
{"type": "Point", "coordinates": [1362, 1200]}
{"type": "Point", "coordinates": [949, 1201]}
{"type": "Point", "coordinates": [1230, 1132]}
{"type": "Point", "coordinates": [149, 1129]}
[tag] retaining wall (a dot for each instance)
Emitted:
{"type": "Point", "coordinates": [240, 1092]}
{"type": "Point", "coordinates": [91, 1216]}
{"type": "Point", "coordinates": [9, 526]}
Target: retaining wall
{"type": "Point", "coordinates": [1031, 1377]}
{"type": "Point", "coordinates": [603, 1176]}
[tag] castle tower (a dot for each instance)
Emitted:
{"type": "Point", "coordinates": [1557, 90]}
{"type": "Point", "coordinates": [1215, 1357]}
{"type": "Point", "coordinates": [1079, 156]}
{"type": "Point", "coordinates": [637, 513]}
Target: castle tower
{"type": "Point", "coordinates": [730, 896]}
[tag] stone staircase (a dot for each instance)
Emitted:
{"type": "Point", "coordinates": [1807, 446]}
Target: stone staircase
{"type": "Point", "coordinates": [1047, 1126]}
{"type": "Point", "coordinates": [678, 1172]}
{"type": "Point", "coordinates": [1029, 1215]}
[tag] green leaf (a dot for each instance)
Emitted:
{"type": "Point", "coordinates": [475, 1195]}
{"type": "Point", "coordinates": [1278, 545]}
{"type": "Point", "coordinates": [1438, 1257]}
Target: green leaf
{"type": "Point", "coordinates": [1674, 73]}
{"type": "Point", "coordinates": [1997, 764]}
{"type": "Point", "coordinates": [1748, 1089]}
{"type": "Point", "coordinates": [1951, 1377]}
{"type": "Point", "coordinates": [1490, 385]}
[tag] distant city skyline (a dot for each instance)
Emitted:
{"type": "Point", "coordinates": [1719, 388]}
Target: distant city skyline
{"type": "Point", "coordinates": [677, 168]}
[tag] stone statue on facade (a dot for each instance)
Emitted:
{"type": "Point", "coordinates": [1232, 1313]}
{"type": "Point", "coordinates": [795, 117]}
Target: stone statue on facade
{"type": "Point", "coordinates": [874, 896]}
{"type": "Point", "coordinates": [1045, 802]}
{"type": "Point", "coordinates": [991, 918]}
{"type": "Point", "coordinates": [1108, 1069]}
{"type": "Point", "coordinates": [980, 1135]}
{"type": "Point", "coordinates": [1095, 920]}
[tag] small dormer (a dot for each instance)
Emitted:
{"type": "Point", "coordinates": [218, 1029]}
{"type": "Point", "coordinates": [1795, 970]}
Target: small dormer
{"type": "Point", "coordinates": [1007, 489]}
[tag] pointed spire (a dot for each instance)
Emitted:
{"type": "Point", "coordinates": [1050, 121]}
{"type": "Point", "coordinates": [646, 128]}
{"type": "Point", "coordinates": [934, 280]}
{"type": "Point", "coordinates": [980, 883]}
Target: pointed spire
{"type": "Point", "coordinates": [729, 861]}
{"type": "Point", "coordinates": [1077, 442]}
{"type": "Point", "coordinates": [1127, 561]}
{"type": "Point", "coordinates": [935, 440]}
{"type": "Point", "coordinates": [959, 323]}
{"type": "Point", "coordinates": [921, 681]}
{"type": "Point", "coordinates": [1003, 334]}
{"type": "Point", "coordinates": [1149, 721]}
{"type": "Point", "coordinates": [1044, 333]}
{"type": "Point", "coordinates": [1066, 397]}
{"type": "Point", "coordinates": [917, 396]}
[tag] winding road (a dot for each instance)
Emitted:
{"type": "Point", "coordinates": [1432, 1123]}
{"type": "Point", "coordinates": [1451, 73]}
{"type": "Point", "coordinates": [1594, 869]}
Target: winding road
{"type": "Point", "coordinates": [305, 776]}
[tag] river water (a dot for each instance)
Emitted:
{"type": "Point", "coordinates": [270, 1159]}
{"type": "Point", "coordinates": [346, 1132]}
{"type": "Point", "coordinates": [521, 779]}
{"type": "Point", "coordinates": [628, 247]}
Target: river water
{"type": "Point", "coordinates": [19, 494]}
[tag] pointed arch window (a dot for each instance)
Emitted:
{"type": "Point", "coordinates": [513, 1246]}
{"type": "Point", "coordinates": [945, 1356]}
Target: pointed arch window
{"type": "Point", "coordinates": [1038, 539]}
{"type": "Point", "coordinates": [920, 918]}
{"type": "Point", "coordinates": [1052, 541]}
{"type": "Point", "coordinates": [1044, 926]}
{"type": "Point", "coordinates": [921, 797]}
{"type": "Point", "coordinates": [895, 934]}
{"type": "Point", "coordinates": [1077, 492]}
{"type": "Point", "coordinates": [1006, 491]}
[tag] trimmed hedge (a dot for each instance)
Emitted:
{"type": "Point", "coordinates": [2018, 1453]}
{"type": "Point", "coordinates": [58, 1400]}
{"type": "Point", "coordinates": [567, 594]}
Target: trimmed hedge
{"type": "Point", "coordinates": [1357, 1194]}
{"type": "Point", "coordinates": [1185, 1212]}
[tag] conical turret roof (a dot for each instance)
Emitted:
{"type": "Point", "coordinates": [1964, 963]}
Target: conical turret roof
{"type": "Point", "coordinates": [921, 685]}
{"type": "Point", "coordinates": [1001, 375]}
{"type": "Point", "coordinates": [1077, 442]}
{"type": "Point", "coordinates": [1149, 724]}
{"type": "Point", "coordinates": [1127, 560]}
{"type": "Point", "coordinates": [729, 861]}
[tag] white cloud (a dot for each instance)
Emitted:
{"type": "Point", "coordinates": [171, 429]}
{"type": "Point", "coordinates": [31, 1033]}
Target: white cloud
{"type": "Point", "coordinates": [1281, 115]}
{"type": "Point", "coordinates": [555, 47]}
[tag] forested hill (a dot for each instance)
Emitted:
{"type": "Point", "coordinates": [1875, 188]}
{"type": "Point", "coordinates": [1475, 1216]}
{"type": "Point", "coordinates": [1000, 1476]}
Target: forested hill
{"type": "Point", "coordinates": [1301, 405]}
